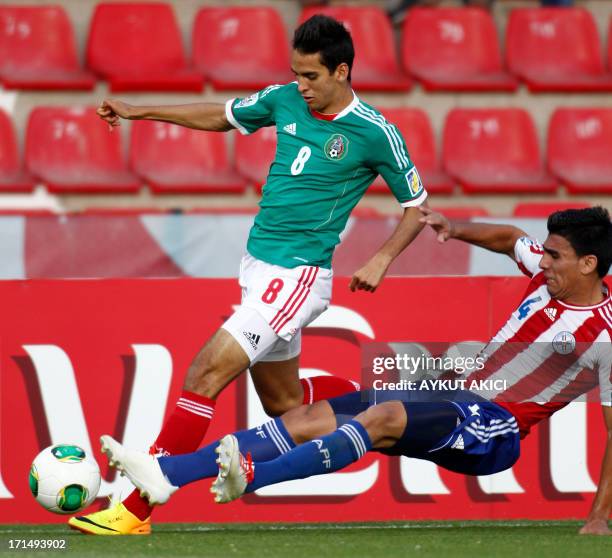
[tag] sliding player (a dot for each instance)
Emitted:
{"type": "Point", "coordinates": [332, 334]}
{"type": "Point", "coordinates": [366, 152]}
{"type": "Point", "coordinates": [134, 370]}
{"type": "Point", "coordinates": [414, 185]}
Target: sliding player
{"type": "Point", "coordinates": [555, 346]}
{"type": "Point", "coordinates": [331, 146]}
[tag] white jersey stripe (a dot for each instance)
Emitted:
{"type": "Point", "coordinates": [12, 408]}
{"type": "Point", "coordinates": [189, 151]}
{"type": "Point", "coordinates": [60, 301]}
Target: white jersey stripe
{"type": "Point", "coordinates": [393, 129]}
{"type": "Point", "coordinates": [398, 159]}
{"type": "Point", "coordinates": [381, 120]}
{"type": "Point", "coordinates": [606, 314]}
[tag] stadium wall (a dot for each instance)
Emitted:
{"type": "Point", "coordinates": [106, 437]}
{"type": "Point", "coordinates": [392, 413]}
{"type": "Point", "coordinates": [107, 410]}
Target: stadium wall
{"type": "Point", "coordinates": [80, 358]}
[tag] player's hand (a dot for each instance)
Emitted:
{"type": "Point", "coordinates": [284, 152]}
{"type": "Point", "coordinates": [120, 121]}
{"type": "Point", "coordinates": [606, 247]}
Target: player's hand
{"type": "Point", "coordinates": [112, 110]}
{"type": "Point", "coordinates": [440, 224]}
{"type": "Point", "coordinates": [370, 275]}
{"type": "Point", "coordinates": [595, 527]}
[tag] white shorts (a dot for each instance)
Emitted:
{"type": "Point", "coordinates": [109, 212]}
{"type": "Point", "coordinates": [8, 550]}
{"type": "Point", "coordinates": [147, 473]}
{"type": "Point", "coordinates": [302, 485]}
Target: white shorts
{"type": "Point", "coordinates": [277, 302]}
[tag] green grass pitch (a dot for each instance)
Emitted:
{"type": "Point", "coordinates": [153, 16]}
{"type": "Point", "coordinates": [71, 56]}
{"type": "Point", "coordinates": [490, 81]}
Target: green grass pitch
{"type": "Point", "coordinates": [470, 539]}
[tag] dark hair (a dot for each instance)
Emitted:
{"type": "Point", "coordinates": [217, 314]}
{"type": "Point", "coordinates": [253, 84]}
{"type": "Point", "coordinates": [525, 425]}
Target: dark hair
{"type": "Point", "coordinates": [329, 38]}
{"type": "Point", "coordinates": [589, 231]}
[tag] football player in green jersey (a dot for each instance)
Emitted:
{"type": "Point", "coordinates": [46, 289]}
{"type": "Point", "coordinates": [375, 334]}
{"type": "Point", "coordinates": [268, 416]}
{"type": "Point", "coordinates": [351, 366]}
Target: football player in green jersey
{"type": "Point", "coordinates": [331, 146]}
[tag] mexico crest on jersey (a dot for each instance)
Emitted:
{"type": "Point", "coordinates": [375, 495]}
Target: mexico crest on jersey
{"type": "Point", "coordinates": [336, 147]}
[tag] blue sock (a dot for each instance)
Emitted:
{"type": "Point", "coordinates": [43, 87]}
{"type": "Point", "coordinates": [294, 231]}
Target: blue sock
{"type": "Point", "coordinates": [265, 442]}
{"type": "Point", "coordinates": [317, 457]}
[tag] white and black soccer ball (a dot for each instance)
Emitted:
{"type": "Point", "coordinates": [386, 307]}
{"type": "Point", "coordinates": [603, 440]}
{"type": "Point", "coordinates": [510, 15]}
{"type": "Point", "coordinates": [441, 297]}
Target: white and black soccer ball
{"type": "Point", "coordinates": [63, 479]}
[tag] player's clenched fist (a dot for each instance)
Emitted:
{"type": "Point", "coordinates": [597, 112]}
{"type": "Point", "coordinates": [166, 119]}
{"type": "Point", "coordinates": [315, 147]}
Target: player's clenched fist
{"type": "Point", "coordinates": [437, 222]}
{"type": "Point", "coordinates": [370, 275]}
{"type": "Point", "coordinates": [111, 110]}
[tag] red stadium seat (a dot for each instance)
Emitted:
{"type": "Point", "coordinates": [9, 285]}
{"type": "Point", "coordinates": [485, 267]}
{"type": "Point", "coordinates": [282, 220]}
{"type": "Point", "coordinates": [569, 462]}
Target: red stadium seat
{"type": "Point", "coordinates": [454, 49]}
{"type": "Point", "coordinates": [254, 155]}
{"type": "Point", "coordinates": [138, 47]}
{"type": "Point", "coordinates": [241, 47]}
{"type": "Point", "coordinates": [416, 129]}
{"type": "Point", "coordinates": [544, 209]}
{"type": "Point", "coordinates": [556, 49]}
{"type": "Point", "coordinates": [12, 176]}
{"type": "Point", "coordinates": [37, 50]}
{"type": "Point", "coordinates": [580, 149]}
{"type": "Point", "coordinates": [376, 67]}
{"type": "Point", "coordinates": [173, 159]}
{"type": "Point", "coordinates": [494, 151]}
{"type": "Point", "coordinates": [72, 151]}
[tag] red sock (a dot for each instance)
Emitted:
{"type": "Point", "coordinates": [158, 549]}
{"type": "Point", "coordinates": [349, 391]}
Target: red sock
{"type": "Point", "coordinates": [318, 388]}
{"type": "Point", "coordinates": [182, 433]}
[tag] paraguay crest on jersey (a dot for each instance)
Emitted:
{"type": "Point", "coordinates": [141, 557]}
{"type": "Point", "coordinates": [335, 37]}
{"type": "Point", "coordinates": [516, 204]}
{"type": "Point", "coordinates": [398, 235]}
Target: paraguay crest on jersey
{"type": "Point", "coordinates": [336, 147]}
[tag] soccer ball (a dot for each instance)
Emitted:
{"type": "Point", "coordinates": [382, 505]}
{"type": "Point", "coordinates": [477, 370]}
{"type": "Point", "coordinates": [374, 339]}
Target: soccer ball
{"type": "Point", "coordinates": [63, 480]}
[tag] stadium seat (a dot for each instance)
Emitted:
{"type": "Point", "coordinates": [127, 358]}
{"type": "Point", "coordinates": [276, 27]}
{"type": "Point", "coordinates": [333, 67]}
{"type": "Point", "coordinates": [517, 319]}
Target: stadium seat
{"type": "Point", "coordinates": [37, 50]}
{"type": "Point", "coordinates": [72, 151]}
{"type": "Point", "coordinates": [254, 154]}
{"type": "Point", "coordinates": [138, 47]}
{"type": "Point", "coordinates": [454, 49]}
{"type": "Point", "coordinates": [12, 176]}
{"type": "Point", "coordinates": [241, 47]}
{"type": "Point", "coordinates": [177, 160]}
{"type": "Point", "coordinates": [580, 149]}
{"type": "Point", "coordinates": [556, 49]}
{"type": "Point", "coordinates": [416, 129]}
{"type": "Point", "coordinates": [376, 67]}
{"type": "Point", "coordinates": [494, 151]}
{"type": "Point", "coordinates": [544, 209]}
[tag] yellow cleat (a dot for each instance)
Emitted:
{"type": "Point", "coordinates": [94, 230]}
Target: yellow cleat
{"type": "Point", "coordinates": [116, 520]}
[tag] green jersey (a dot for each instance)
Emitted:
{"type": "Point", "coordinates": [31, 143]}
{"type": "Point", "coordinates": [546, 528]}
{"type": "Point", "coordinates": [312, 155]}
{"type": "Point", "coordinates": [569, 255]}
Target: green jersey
{"type": "Point", "coordinates": [321, 170]}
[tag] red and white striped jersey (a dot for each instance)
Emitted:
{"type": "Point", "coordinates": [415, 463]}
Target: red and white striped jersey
{"type": "Point", "coordinates": [549, 352]}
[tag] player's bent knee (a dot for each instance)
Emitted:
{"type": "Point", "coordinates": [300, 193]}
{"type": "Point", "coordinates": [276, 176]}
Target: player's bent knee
{"type": "Point", "coordinates": [386, 421]}
{"type": "Point", "coordinates": [310, 421]}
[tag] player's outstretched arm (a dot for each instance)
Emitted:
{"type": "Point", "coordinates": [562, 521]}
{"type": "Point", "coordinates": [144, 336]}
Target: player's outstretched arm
{"type": "Point", "coordinates": [597, 522]}
{"type": "Point", "coordinates": [372, 273]}
{"type": "Point", "coordinates": [497, 238]}
{"type": "Point", "coordinates": [200, 116]}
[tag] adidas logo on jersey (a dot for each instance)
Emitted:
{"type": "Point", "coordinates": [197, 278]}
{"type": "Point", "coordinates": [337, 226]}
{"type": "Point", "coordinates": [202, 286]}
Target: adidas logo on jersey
{"type": "Point", "coordinates": [253, 338]}
{"type": "Point", "coordinates": [291, 128]}
{"type": "Point", "coordinates": [459, 444]}
{"type": "Point", "coordinates": [551, 313]}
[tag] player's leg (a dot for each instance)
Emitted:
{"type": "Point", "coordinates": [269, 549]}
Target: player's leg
{"type": "Point", "coordinates": [157, 478]}
{"type": "Point", "coordinates": [276, 380]}
{"type": "Point", "coordinates": [278, 385]}
{"type": "Point", "coordinates": [224, 357]}
{"type": "Point", "coordinates": [379, 427]}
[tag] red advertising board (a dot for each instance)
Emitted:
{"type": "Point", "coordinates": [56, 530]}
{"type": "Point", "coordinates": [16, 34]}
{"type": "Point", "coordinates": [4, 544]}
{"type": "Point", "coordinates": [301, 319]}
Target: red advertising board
{"type": "Point", "coordinates": [81, 358]}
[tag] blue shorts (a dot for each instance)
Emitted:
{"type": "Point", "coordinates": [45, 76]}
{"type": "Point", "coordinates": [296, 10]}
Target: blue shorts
{"type": "Point", "coordinates": [457, 430]}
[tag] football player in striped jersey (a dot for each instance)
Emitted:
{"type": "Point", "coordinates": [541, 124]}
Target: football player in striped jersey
{"type": "Point", "coordinates": [566, 311]}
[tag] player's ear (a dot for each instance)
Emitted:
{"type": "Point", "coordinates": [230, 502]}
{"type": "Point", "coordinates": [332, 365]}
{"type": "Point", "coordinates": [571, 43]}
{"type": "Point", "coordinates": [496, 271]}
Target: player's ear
{"type": "Point", "coordinates": [342, 72]}
{"type": "Point", "coordinates": [588, 264]}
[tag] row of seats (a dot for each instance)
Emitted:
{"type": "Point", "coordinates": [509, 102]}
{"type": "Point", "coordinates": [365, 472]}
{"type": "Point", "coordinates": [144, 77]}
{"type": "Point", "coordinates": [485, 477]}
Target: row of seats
{"type": "Point", "coordinates": [522, 209]}
{"type": "Point", "coordinates": [138, 47]}
{"type": "Point", "coordinates": [484, 150]}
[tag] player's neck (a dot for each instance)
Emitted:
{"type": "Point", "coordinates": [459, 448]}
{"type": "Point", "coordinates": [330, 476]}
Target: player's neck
{"type": "Point", "coordinates": [590, 296]}
{"type": "Point", "coordinates": [340, 103]}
